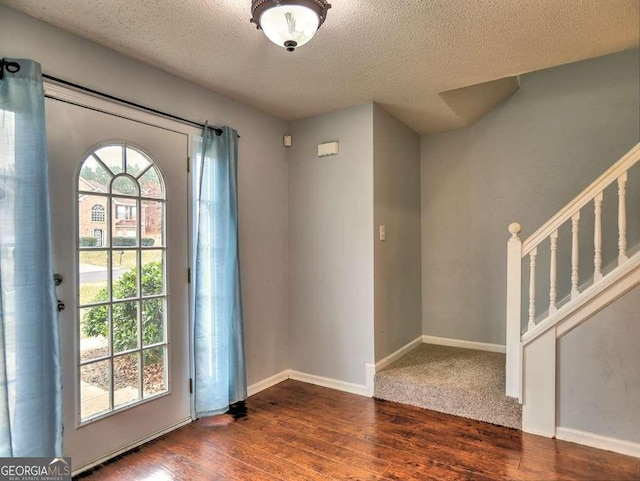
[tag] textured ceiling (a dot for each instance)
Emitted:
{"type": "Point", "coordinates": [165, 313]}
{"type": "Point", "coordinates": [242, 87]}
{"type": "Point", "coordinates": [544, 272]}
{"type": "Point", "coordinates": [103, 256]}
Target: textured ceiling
{"type": "Point", "coordinates": [399, 53]}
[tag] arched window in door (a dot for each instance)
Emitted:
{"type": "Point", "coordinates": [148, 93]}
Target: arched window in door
{"type": "Point", "coordinates": [122, 324]}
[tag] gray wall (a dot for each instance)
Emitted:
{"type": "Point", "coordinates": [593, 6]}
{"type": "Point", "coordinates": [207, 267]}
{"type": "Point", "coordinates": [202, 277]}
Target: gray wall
{"type": "Point", "coordinates": [262, 173]}
{"type": "Point", "coordinates": [599, 375]}
{"type": "Point", "coordinates": [522, 162]}
{"type": "Point", "coordinates": [331, 245]}
{"type": "Point", "coordinates": [396, 179]}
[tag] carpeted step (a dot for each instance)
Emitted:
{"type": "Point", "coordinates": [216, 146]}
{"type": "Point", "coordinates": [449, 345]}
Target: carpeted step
{"type": "Point", "coordinates": [463, 382]}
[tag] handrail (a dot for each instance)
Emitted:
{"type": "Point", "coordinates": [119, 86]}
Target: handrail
{"type": "Point", "coordinates": [587, 195]}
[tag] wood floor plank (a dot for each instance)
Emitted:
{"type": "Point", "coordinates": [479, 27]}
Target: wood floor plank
{"type": "Point", "coordinates": [442, 450]}
{"type": "Point", "coordinates": [400, 416]}
{"type": "Point", "coordinates": [272, 454]}
{"type": "Point", "coordinates": [299, 432]}
{"type": "Point", "coordinates": [401, 449]}
{"type": "Point", "coordinates": [308, 439]}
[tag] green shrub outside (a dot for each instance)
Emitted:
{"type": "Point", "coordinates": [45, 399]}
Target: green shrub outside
{"type": "Point", "coordinates": [88, 242]}
{"type": "Point", "coordinates": [124, 315]}
{"type": "Point", "coordinates": [132, 241]}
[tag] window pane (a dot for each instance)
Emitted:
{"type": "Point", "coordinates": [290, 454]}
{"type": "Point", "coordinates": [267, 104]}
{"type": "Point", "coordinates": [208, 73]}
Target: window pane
{"type": "Point", "coordinates": [152, 223]}
{"type": "Point", "coordinates": [94, 332]}
{"type": "Point", "coordinates": [121, 238]}
{"type": "Point", "coordinates": [124, 274]}
{"type": "Point", "coordinates": [124, 186]}
{"type": "Point", "coordinates": [126, 379]}
{"type": "Point", "coordinates": [155, 378]}
{"type": "Point", "coordinates": [125, 326]}
{"type": "Point", "coordinates": [92, 221]}
{"type": "Point", "coordinates": [112, 157]}
{"type": "Point", "coordinates": [94, 388]}
{"type": "Point", "coordinates": [125, 225]}
{"type": "Point", "coordinates": [93, 276]}
{"type": "Point", "coordinates": [152, 272]}
{"type": "Point", "coordinates": [98, 213]}
{"type": "Point", "coordinates": [151, 185]}
{"type": "Point", "coordinates": [136, 162]}
{"type": "Point", "coordinates": [93, 177]}
{"type": "Point", "coordinates": [152, 321]}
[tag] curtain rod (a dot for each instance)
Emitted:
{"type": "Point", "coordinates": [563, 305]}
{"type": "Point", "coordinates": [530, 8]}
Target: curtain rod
{"type": "Point", "coordinates": [10, 67]}
{"type": "Point", "coordinates": [217, 130]}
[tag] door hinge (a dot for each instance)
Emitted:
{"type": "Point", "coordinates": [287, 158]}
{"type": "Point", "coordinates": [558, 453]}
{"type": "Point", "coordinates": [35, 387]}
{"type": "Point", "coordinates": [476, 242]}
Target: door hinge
{"type": "Point", "coordinates": [188, 164]}
{"type": "Point", "coordinates": [189, 275]}
{"type": "Point", "coordinates": [190, 385]}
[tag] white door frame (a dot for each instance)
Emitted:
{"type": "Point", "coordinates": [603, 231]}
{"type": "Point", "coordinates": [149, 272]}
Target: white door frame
{"type": "Point", "coordinates": [95, 102]}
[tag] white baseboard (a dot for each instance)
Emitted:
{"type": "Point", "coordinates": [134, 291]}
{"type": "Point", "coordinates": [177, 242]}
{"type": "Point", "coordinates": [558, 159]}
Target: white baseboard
{"type": "Point", "coordinates": [366, 390]}
{"type": "Point", "coordinates": [330, 383]}
{"type": "Point", "coordinates": [597, 441]}
{"type": "Point", "coordinates": [480, 346]}
{"type": "Point", "coordinates": [370, 377]}
{"type": "Point", "coordinates": [536, 431]}
{"type": "Point", "coordinates": [128, 447]}
{"type": "Point", "coordinates": [391, 358]}
{"type": "Point", "coordinates": [268, 382]}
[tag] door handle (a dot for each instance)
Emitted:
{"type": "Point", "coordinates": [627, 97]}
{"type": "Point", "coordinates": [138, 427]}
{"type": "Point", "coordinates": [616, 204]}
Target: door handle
{"type": "Point", "coordinates": [57, 279]}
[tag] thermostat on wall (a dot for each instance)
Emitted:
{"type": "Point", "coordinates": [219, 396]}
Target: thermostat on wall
{"type": "Point", "coordinates": [330, 148]}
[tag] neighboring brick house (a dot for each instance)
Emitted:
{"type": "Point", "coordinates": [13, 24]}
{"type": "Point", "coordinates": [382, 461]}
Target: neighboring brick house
{"type": "Point", "coordinates": [93, 214]}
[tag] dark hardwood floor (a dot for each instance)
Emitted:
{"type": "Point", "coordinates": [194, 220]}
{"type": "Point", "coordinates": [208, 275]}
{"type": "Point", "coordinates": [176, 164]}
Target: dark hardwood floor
{"type": "Point", "coordinates": [296, 431]}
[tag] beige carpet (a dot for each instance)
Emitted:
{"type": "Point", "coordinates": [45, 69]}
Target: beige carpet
{"type": "Point", "coordinates": [463, 382]}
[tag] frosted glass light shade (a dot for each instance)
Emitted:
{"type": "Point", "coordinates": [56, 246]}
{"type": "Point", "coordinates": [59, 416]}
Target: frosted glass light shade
{"type": "Point", "coordinates": [289, 23]}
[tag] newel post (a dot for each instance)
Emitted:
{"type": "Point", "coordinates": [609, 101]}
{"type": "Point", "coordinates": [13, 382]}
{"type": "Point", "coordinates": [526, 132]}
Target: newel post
{"type": "Point", "coordinates": [514, 293]}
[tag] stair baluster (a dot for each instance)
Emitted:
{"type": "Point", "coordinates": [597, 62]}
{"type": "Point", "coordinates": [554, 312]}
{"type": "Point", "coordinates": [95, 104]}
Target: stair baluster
{"type": "Point", "coordinates": [532, 288]}
{"type": "Point", "coordinates": [597, 238]}
{"type": "Point", "coordinates": [622, 218]}
{"type": "Point", "coordinates": [553, 273]}
{"type": "Point", "coordinates": [575, 257]}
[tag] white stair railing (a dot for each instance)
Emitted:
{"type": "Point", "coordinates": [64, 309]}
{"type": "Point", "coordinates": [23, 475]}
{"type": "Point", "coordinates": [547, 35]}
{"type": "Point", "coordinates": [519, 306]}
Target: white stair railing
{"type": "Point", "coordinates": [518, 250]}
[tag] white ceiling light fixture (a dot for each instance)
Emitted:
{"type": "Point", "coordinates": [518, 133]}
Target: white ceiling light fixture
{"type": "Point", "coordinates": [289, 23]}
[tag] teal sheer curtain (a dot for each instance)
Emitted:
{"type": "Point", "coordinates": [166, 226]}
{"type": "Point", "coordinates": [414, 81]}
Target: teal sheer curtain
{"type": "Point", "coordinates": [30, 378]}
{"type": "Point", "coordinates": [220, 376]}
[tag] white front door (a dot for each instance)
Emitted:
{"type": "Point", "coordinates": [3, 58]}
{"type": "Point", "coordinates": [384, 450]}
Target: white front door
{"type": "Point", "coordinates": [120, 233]}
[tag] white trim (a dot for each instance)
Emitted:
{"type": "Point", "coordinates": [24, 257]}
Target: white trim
{"type": "Point", "coordinates": [539, 386]}
{"type": "Point", "coordinates": [330, 383]}
{"type": "Point", "coordinates": [271, 381]}
{"type": "Point", "coordinates": [113, 107]}
{"type": "Point", "coordinates": [366, 390]}
{"type": "Point", "coordinates": [391, 358]}
{"type": "Point", "coordinates": [539, 432]}
{"type": "Point", "coordinates": [479, 346]}
{"type": "Point", "coordinates": [598, 441]}
{"type": "Point", "coordinates": [513, 361]}
{"type": "Point", "coordinates": [128, 447]}
{"type": "Point", "coordinates": [370, 378]}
